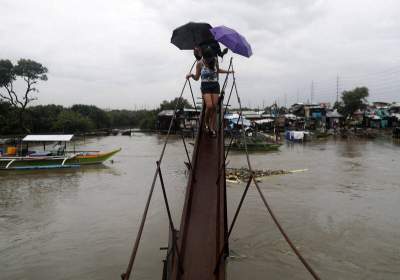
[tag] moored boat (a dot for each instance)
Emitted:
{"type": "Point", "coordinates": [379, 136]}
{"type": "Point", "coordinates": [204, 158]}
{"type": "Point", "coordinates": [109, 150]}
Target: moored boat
{"type": "Point", "coordinates": [57, 157]}
{"type": "Point", "coordinates": [255, 146]}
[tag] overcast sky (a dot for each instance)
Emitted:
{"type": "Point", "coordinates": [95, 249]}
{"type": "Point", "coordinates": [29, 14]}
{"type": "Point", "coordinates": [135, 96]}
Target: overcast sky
{"type": "Point", "coordinates": [117, 54]}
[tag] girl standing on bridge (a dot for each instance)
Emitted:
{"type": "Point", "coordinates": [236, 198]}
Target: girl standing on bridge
{"type": "Point", "coordinates": [207, 68]}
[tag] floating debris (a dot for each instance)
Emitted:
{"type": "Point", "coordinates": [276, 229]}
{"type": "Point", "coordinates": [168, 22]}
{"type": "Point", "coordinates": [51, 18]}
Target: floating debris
{"type": "Point", "coordinates": [237, 175]}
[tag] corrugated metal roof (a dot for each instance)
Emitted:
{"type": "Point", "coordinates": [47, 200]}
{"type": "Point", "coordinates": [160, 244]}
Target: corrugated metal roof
{"type": "Point", "coordinates": [48, 138]}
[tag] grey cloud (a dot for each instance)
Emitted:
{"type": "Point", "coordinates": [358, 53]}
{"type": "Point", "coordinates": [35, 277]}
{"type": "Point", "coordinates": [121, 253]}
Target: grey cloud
{"type": "Point", "coordinates": [117, 54]}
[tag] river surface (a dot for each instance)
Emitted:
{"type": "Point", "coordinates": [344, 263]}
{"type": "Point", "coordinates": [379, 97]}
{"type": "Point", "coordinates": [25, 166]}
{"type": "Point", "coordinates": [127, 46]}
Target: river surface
{"type": "Point", "coordinates": [343, 213]}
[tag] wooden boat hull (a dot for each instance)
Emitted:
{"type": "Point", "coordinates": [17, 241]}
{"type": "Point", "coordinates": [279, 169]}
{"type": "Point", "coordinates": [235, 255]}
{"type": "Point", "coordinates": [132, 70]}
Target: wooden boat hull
{"type": "Point", "coordinates": [256, 147]}
{"type": "Point", "coordinates": [91, 159]}
{"type": "Point", "coordinates": [52, 162]}
{"type": "Point", "coordinates": [30, 162]}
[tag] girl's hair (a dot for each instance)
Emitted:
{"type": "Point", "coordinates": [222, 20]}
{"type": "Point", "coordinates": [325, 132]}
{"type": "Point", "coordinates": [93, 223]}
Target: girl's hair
{"type": "Point", "coordinates": [211, 63]}
{"type": "Point", "coordinates": [209, 57]}
{"type": "Point", "coordinates": [197, 53]}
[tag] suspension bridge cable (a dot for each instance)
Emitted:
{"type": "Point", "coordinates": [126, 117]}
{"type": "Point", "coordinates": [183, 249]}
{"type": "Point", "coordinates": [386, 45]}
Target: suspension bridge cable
{"type": "Point", "coordinates": [232, 225]}
{"type": "Point", "coordinates": [277, 223]}
{"type": "Point", "coordinates": [171, 222]}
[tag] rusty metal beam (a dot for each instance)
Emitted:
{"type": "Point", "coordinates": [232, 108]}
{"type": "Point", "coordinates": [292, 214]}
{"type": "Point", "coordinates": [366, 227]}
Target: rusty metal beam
{"type": "Point", "coordinates": [203, 229]}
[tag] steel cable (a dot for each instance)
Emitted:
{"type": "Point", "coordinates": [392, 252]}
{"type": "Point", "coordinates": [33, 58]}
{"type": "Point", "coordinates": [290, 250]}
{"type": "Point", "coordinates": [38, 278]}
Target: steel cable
{"type": "Point", "coordinates": [277, 223]}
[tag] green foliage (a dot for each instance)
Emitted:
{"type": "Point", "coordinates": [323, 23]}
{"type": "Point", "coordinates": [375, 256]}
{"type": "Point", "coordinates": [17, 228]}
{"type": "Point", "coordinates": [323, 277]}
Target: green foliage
{"type": "Point", "coordinates": [30, 69]}
{"type": "Point", "coordinates": [337, 105]}
{"type": "Point", "coordinates": [147, 119]}
{"type": "Point", "coordinates": [42, 118]}
{"type": "Point", "coordinates": [8, 119]}
{"type": "Point", "coordinates": [170, 105]}
{"type": "Point", "coordinates": [282, 110]}
{"type": "Point", "coordinates": [6, 72]}
{"type": "Point", "coordinates": [69, 121]}
{"type": "Point", "coordinates": [77, 119]}
{"type": "Point", "coordinates": [352, 101]}
{"type": "Point", "coordinates": [99, 117]}
{"type": "Point", "coordinates": [123, 118]}
{"type": "Point", "coordinates": [30, 72]}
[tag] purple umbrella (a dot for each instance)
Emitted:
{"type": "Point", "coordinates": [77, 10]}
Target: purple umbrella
{"type": "Point", "coordinates": [232, 39]}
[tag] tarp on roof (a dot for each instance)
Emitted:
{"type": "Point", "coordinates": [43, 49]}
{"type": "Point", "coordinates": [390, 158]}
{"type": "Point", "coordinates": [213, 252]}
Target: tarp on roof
{"type": "Point", "coordinates": [230, 116]}
{"type": "Point", "coordinates": [291, 116]}
{"type": "Point", "coordinates": [262, 121]}
{"type": "Point", "coordinates": [246, 122]}
{"type": "Point", "coordinates": [333, 114]}
{"type": "Point", "coordinates": [48, 138]}
{"type": "Point", "coordinates": [270, 116]}
{"type": "Point", "coordinates": [167, 113]}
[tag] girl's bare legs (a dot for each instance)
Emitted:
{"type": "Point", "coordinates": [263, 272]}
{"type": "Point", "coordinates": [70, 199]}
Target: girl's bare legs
{"type": "Point", "coordinates": [213, 114]}
{"type": "Point", "coordinates": [207, 115]}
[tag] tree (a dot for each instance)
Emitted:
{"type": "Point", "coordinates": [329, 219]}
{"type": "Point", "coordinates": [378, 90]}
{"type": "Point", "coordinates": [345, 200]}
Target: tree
{"type": "Point", "coordinates": [6, 72]}
{"type": "Point", "coordinates": [170, 105]}
{"type": "Point", "coordinates": [148, 120]}
{"type": "Point", "coordinates": [28, 70]}
{"type": "Point", "coordinates": [8, 116]}
{"type": "Point", "coordinates": [69, 121]}
{"type": "Point", "coordinates": [41, 118]}
{"type": "Point", "coordinates": [283, 110]}
{"type": "Point", "coordinates": [352, 101]}
{"type": "Point", "coordinates": [122, 118]}
{"type": "Point", "coordinates": [99, 117]}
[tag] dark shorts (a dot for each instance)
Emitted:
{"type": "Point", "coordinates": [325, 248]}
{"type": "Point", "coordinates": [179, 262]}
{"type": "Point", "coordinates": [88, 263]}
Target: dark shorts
{"type": "Point", "coordinates": [209, 87]}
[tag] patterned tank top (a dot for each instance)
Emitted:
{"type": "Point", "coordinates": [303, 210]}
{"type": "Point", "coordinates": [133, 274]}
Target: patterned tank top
{"type": "Point", "coordinates": [208, 75]}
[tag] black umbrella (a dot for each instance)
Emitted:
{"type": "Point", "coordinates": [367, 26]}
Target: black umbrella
{"type": "Point", "coordinates": [191, 35]}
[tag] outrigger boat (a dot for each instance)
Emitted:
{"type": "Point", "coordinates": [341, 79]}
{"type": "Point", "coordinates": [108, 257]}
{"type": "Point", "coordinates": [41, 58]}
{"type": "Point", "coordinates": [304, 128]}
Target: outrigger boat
{"type": "Point", "coordinates": [255, 147]}
{"type": "Point", "coordinates": [57, 157]}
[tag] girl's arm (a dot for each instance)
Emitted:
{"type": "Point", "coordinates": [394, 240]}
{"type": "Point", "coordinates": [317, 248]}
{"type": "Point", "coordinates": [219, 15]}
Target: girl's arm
{"type": "Point", "coordinates": [195, 76]}
{"type": "Point", "coordinates": [222, 71]}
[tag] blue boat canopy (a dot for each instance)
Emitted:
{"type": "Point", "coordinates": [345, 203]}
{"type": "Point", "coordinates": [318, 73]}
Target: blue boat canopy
{"type": "Point", "coordinates": [48, 138]}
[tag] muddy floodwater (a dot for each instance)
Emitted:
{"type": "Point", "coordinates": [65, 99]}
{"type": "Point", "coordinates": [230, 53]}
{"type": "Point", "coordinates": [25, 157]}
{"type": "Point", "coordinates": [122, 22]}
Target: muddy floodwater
{"type": "Point", "coordinates": [342, 212]}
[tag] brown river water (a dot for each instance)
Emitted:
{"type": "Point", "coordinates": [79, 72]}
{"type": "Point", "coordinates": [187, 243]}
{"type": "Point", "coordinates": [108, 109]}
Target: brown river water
{"type": "Point", "coordinates": [343, 213]}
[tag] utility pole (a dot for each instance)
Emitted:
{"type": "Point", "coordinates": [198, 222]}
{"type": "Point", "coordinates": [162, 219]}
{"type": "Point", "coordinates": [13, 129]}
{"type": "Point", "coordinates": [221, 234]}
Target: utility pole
{"type": "Point", "coordinates": [285, 101]}
{"type": "Point", "coordinates": [337, 88]}
{"type": "Point", "coordinates": [312, 91]}
{"type": "Point", "coordinates": [297, 99]}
